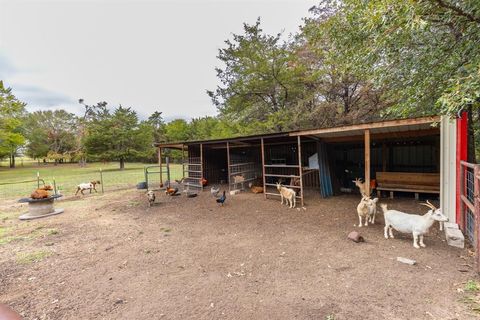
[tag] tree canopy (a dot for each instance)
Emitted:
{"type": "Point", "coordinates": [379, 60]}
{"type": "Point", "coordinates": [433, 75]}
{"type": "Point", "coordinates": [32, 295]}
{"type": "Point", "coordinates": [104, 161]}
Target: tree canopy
{"type": "Point", "coordinates": [12, 115]}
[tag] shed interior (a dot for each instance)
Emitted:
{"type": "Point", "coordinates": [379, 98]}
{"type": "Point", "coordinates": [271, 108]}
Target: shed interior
{"type": "Point", "coordinates": [324, 159]}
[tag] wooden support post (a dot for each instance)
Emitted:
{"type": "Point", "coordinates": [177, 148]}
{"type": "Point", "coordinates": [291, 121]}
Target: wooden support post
{"type": "Point", "coordinates": [160, 164]}
{"type": "Point", "coordinates": [263, 168]}
{"type": "Point", "coordinates": [367, 161]}
{"type": "Point", "coordinates": [201, 165]}
{"type": "Point", "coordinates": [228, 165]}
{"type": "Point", "coordinates": [183, 161]}
{"type": "Point", "coordinates": [384, 157]}
{"type": "Point", "coordinates": [300, 169]}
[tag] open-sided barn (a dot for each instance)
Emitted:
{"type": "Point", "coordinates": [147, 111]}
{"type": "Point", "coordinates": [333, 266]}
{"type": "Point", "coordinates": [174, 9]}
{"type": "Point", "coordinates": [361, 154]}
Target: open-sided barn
{"type": "Point", "coordinates": [417, 157]}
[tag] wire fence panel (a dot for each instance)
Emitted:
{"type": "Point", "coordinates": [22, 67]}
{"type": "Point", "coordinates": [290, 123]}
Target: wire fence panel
{"type": "Point", "coordinates": [65, 182]}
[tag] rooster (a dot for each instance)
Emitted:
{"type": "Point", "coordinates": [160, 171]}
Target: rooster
{"type": "Point", "coordinates": [214, 191]}
{"type": "Point", "coordinates": [222, 199]}
{"type": "Point", "coordinates": [171, 191]}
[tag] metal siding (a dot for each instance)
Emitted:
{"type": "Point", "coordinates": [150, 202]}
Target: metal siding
{"type": "Point", "coordinates": [448, 175]}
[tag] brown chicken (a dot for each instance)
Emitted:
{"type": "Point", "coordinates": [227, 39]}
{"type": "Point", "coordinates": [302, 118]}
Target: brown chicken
{"type": "Point", "coordinates": [41, 193]}
{"type": "Point", "coordinates": [171, 191]}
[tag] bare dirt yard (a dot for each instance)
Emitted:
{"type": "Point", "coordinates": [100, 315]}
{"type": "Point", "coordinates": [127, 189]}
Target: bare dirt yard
{"type": "Point", "coordinates": [112, 257]}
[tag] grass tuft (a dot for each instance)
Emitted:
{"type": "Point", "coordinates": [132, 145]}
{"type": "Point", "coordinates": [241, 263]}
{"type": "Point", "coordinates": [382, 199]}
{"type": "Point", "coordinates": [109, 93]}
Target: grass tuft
{"type": "Point", "coordinates": [32, 257]}
{"type": "Point", "coordinates": [472, 286]}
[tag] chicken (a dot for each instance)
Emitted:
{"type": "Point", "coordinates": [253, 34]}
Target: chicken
{"type": "Point", "coordinates": [171, 191]}
{"type": "Point", "coordinates": [222, 199]}
{"type": "Point", "coordinates": [214, 191]}
{"type": "Point", "coordinates": [41, 193]}
{"type": "Point", "coordinates": [204, 182]}
{"type": "Point", "coordinates": [256, 189]}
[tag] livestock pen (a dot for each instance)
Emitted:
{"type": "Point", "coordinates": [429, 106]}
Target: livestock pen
{"type": "Point", "coordinates": [417, 158]}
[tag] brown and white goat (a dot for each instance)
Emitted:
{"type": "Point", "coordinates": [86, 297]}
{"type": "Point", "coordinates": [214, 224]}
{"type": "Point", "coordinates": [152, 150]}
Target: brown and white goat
{"type": "Point", "coordinates": [288, 194]}
{"type": "Point", "coordinates": [87, 186]}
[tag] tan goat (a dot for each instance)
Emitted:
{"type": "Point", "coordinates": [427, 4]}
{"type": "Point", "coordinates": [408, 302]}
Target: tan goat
{"type": "Point", "coordinates": [288, 194]}
{"type": "Point", "coordinates": [361, 186]}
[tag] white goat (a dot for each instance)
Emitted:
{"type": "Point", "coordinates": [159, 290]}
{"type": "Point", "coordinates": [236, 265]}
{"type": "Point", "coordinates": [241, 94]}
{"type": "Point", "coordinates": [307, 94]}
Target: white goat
{"type": "Point", "coordinates": [367, 208]}
{"type": "Point", "coordinates": [411, 223]}
{"type": "Point", "coordinates": [151, 197]}
{"type": "Point", "coordinates": [288, 194]}
{"type": "Point", "coordinates": [372, 210]}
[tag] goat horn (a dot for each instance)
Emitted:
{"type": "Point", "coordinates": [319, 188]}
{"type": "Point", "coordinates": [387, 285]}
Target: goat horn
{"type": "Point", "coordinates": [431, 205]}
{"type": "Point", "coordinates": [428, 204]}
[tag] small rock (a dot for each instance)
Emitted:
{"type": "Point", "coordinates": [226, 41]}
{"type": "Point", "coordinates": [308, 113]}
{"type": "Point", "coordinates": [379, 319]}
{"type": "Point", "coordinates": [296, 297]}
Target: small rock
{"type": "Point", "coordinates": [406, 261]}
{"type": "Point", "coordinates": [119, 301]}
{"type": "Point", "coordinates": [355, 237]}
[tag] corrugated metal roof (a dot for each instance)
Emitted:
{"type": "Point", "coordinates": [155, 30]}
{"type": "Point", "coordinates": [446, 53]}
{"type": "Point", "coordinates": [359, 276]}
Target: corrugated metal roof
{"type": "Point", "coordinates": [379, 127]}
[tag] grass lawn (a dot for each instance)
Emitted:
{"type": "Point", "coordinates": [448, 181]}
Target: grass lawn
{"type": "Point", "coordinates": [67, 176]}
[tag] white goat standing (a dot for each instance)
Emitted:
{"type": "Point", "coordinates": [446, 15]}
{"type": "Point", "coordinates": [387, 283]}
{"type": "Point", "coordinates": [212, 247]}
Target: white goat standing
{"type": "Point", "coordinates": [288, 194]}
{"type": "Point", "coordinates": [372, 210]}
{"type": "Point", "coordinates": [367, 208]}
{"type": "Point", "coordinates": [411, 223]}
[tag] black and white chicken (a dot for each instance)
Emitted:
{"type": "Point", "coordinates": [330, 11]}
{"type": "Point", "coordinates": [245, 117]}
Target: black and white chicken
{"type": "Point", "coordinates": [222, 199]}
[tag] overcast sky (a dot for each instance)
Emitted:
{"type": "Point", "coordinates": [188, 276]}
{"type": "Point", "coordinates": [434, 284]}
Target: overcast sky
{"type": "Point", "coordinates": [149, 55]}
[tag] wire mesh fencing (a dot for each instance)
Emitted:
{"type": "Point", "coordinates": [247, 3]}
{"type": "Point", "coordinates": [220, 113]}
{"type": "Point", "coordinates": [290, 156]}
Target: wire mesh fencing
{"type": "Point", "coordinates": [66, 182]}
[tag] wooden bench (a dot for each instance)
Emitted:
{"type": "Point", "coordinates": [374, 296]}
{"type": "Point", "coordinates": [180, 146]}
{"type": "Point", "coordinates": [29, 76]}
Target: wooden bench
{"type": "Point", "coordinates": [408, 182]}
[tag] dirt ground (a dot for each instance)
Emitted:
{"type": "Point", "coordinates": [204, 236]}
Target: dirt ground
{"type": "Point", "coordinates": [112, 257]}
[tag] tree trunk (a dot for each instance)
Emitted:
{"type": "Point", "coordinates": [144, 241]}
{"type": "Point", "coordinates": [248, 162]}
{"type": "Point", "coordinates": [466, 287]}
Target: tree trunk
{"type": "Point", "coordinates": [12, 159]}
{"type": "Point", "coordinates": [471, 136]}
{"type": "Point", "coordinates": [122, 164]}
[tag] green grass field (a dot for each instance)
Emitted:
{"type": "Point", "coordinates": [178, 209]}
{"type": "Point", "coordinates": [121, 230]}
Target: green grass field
{"type": "Point", "coordinates": [21, 181]}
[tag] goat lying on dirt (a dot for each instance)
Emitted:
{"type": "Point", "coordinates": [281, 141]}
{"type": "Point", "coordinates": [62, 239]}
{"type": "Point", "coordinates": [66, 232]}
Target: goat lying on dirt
{"type": "Point", "coordinates": [288, 194]}
{"type": "Point", "coordinates": [411, 223]}
{"type": "Point", "coordinates": [87, 186]}
{"type": "Point", "coordinates": [367, 208]}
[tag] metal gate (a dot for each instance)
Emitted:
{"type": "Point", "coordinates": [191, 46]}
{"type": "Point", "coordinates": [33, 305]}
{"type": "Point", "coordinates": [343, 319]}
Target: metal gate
{"type": "Point", "coordinates": [469, 219]}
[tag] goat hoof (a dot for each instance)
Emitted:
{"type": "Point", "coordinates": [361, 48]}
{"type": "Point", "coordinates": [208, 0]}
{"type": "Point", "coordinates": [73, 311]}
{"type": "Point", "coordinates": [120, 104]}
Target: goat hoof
{"type": "Point", "coordinates": [422, 245]}
{"type": "Point", "coordinates": [416, 246]}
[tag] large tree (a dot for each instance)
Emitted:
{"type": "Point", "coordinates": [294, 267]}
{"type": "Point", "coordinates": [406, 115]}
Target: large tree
{"type": "Point", "coordinates": [258, 82]}
{"type": "Point", "coordinates": [426, 53]}
{"type": "Point", "coordinates": [12, 115]}
{"type": "Point", "coordinates": [115, 135]}
{"type": "Point", "coordinates": [52, 134]}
